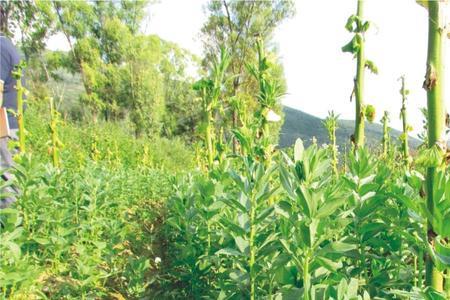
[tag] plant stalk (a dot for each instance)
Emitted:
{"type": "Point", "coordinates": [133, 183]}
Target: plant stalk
{"type": "Point", "coordinates": [434, 85]}
{"type": "Point", "coordinates": [54, 134]}
{"type": "Point", "coordinates": [306, 279]}
{"type": "Point", "coordinates": [403, 115]}
{"type": "Point", "coordinates": [359, 84]}
{"type": "Point", "coordinates": [209, 139]}
{"type": "Point", "coordinates": [20, 119]}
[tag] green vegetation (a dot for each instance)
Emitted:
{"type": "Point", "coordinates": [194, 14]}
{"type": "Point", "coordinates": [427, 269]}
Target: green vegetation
{"type": "Point", "coordinates": [209, 90]}
{"type": "Point", "coordinates": [406, 128]}
{"type": "Point", "coordinates": [436, 126]}
{"type": "Point", "coordinates": [331, 124]}
{"type": "Point", "coordinates": [238, 26]}
{"type": "Point", "coordinates": [17, 74]}
{"type": "Point", "coordinates": [142, 183]}
{"type": "Point", "coordinates": [357, 25]}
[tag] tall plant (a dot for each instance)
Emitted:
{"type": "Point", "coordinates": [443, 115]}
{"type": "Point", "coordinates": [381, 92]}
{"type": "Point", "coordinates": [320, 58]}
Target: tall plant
{"type": "Point", "coordinates": [209, 89]}
{"type": "Point", "coordinates": [17, 74]}
{"type": "Point", "coordinates": [55, 142]}
{"type": "Point", "coordinates": [268, 96]}
{"type": "Point", "coordinates": [237, 25]}
{"type": "Point", "coordinates": [357, 25]}
{"type": "Point", "coordinates": [434, 85]}
{"type": "Point", "coordinates": [406, 128]}
{"type": "Point", "coordinates": [331, 124]}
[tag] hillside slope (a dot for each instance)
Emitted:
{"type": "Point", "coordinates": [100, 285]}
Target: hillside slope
{"type": "Point", "coordinates": [298, 124]}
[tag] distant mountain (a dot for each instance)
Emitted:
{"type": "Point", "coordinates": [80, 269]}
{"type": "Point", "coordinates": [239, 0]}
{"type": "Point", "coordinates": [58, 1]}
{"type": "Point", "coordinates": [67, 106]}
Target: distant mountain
{"type": "Point", "coordinates": [298, 124]}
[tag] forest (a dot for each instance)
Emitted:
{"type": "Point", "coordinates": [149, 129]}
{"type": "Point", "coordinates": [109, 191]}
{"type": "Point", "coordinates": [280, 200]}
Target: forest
{"type": "Point", "coordinates": [145, 171]}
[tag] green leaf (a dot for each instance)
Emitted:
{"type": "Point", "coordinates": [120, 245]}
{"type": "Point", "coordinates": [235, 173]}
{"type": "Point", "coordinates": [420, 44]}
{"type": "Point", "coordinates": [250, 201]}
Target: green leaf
{"type": "Point", "coordinates": [305, 233]}
{"type": "Point", "coordinates": [330, 207]}
{"type": "Point", "coordinates": [352, 290]}
{"type": "Point", "coordinates": [237, 230]}
{"type": "Point", "coordinates": [263, 215]}
{"type": "Point", "coordinates": [283, 208]}
{"type": "Point", "coordinates": [243, 137]}
{"type": "Point", "coordinates": [370, 65]}
{"type": "Point", "coordinates": [216, 205]}
{"type": "Point", "coordinates": [431, 294]}
{"type": "Point", "coordinates": [372, 228]}
{"type": "Point", "coordinates": [42, 241]}
{"type": "Point", "coordinates": [228, 252]}
{"type": "Point", "coordinates": [235, 203]}
{"type": "Point", "coordinates": [304, 200]}
{"type": "Point", "coordinates": [353, 46]}
{"type": "Point", "coordinates": [337, 247]}
{"type": "Point", "coordinates": [286, 183]}
{"type": "Point", "coordinates": [242, 245]}
{"type": "Point", "coordinates": [442, 253]}
{"type": "Point", "coordinates": [328, 264]}
{"type": "Point", "coordinates": [14, 248]}
{"type": "Point", "coordinates": [300, 171]}
{"type": "Point", "coordinates": [365, 27]}
{"type": "Point", "coordinates": [286, 275]}
{"type": "Point", "coordinates": [352, 23]}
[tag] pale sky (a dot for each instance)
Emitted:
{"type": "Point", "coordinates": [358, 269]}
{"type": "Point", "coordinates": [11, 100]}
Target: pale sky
{"type": "Point", "coordinates": [319, 75]}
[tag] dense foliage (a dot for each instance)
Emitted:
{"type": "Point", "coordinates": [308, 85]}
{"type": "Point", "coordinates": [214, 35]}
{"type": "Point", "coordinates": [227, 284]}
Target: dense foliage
{"type": "Point", "coordinates": [146, 185]}
{"type": "Point", "coordinates": [291, 229]}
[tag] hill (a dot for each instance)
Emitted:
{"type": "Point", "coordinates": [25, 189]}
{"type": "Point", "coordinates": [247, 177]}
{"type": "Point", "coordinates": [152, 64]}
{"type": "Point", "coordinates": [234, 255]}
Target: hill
{"type": "Point", "coordinates": [298, 124]}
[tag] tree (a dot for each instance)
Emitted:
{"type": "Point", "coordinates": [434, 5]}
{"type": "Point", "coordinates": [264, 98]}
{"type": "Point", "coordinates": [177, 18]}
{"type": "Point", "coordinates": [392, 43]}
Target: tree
{"type": "Point", "coordinates": [30, 21]}
{"type": "Point", "coordinates": [98, 33]}
{"type": "Point", "coordinates": [125, 73]}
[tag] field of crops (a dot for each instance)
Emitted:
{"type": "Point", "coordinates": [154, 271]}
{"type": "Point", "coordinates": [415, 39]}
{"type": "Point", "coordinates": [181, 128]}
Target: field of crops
{"type": "Point", "coordinates": [147, 183]}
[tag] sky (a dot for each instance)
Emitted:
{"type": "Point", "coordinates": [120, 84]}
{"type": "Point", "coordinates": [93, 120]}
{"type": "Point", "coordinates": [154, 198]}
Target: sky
{"type": "Point", "coordinates": [319, 75]}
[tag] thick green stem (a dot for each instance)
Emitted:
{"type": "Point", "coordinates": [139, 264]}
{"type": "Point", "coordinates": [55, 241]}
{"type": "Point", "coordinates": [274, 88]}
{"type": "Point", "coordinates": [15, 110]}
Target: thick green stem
{"type": "Point", "coordinates": [359, 83]}
{"type": "Point", "coordinates": [434, 84]}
